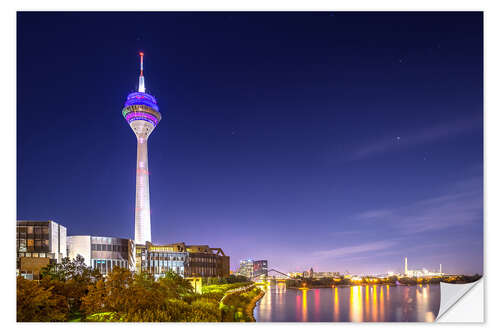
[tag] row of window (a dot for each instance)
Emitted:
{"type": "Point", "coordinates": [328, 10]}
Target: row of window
{"type": "Point", "coordinates": [203, 259]}
{"type": "Point", "coordinates": [33, 229]}
{"type": "Point", "coordinates": [164, 256]}
{"type": "Point", "coordinates": [32, 236]}
{"type": "Point", "coordinates": [163, 263]}
{"type": "Point", "coordinates": [105, 266]}
{"type": "Point", "coordinates": [170, 256]}
{"type": "Point", "coordinates": [109, 247]}
{"type": "Point", "coordinates": [32, 245]}
{"type": "Point", "coordinates": [202, 271]}
{"type": "Point", "coordinates": [163, 269]}
{"type": "Point", "coordinates": [36, 255]}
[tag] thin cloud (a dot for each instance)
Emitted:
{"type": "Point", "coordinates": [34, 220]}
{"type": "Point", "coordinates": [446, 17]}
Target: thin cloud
{"type": "Point", "coordinates": [435, 133]}
{"type": "Point", "coordinates": [462, 206]}
{"type": "Point", "coordinates": [374, 214]}
{"type": "Point", "coordinates": [346, 233]}
{"type": "Point", "coordinates": [356, 249]}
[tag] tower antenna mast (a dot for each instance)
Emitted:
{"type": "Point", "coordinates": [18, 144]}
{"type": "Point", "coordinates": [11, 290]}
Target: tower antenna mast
{"type": "Point", "coordinates": [142, 84]}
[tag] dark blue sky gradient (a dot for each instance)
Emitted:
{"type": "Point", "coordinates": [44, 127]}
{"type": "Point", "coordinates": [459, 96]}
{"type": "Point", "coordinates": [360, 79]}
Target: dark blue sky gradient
{"type": "Point", "coordinates": [338, 141]}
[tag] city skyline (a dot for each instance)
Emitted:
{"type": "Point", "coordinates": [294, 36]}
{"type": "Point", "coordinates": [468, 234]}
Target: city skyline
{"type": "Point", "coordinates": [338, 141]}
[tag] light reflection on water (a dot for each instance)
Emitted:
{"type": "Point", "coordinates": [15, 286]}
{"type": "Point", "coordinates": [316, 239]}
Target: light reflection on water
{"type": "Point", "coordinates": [354, 303]}
{"type": "Point", "coordinates": [304, 305]}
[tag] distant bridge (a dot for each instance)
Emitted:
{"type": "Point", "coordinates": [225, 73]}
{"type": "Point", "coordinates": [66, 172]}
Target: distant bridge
{"type": "Point", "coordinates": [265, 276]}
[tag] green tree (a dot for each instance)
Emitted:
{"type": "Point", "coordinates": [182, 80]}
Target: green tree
{"type": "Point", "coordinates": [70, 279]}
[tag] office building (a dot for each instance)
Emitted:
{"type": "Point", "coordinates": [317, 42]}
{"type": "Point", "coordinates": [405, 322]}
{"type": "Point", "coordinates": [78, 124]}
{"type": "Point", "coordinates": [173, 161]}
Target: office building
{"type": "Point", "coordinates": [103, 253]}
{"type": "Point", "coordinates": [252, 268]}
{"type": "Point", "coordinates": [185, 260]}
{"type": "Point", "coordinates": [38, 243]}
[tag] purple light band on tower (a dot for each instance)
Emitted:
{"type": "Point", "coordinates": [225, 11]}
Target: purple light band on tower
{"type": "Point", "coordinates": [138, 98]}
{"type": "Point", "coordinates": [141, 116]}
{"type": "Point", "coordinates": [140, 95]}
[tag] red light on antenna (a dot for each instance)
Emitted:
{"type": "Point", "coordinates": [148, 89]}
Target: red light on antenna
{"type": "Point", "coordinates": [141, 54]}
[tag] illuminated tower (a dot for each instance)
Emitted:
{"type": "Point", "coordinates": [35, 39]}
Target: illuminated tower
{"type": "Point", "coordinates": [406, 266]}
{"type": "Point", "coordinates": [142, 114]}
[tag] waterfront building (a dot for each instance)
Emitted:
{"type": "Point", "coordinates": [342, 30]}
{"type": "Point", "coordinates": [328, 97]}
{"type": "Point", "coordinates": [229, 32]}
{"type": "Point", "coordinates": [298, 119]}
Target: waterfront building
{"type": "Point", "coordinates": [308, 274]}
{"type": "Point", "coordinates": [38, 243]}
{"type": "Point", "coordinates": [143, 115]}
{"type": "Point", "coordinates": [252, 268]}
{"type": "Point", "coordinates": [319, 275]}
{"type": "Point", "coordinates": [246, 268]}
{"type": "Point", "coordinates": [103, 253]}
{"type": "Point", "coordinates": [260, 267]}
{"type": "Point", "coordinates": [421, 272]}
{"type": "Point", "coordinates": [185, 260]}
{"type": "Point", "coordinates": [295, 274]}
{"type": "Point", "coordinates": [315, 275]}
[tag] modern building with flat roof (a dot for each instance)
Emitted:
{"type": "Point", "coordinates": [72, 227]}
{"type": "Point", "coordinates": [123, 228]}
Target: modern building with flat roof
{"type": "Point", "coordinates": [252, 268]}
{"type": "Point", "coordinates": [37, 244]}
{"type": "Point", "coordinates": [103, 253]}
{"type": "Point", "coordinates": [185, 260]}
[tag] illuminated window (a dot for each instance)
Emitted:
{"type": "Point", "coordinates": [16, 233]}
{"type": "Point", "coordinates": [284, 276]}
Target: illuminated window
{"type": "Point", "coordinates": [22, 245]}
{"type": "Point", "coordinates": [30, 242]}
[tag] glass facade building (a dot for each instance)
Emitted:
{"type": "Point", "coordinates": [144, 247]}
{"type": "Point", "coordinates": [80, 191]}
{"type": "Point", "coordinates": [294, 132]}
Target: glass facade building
{"type": "Point", "coordinates": [103, 253]}
{"type": "Point", "coordinates": [252, 268]}
{"type": "Point", "coordinates": [260, 267]}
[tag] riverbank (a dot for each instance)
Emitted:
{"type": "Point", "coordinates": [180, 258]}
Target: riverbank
{"type": "Point", "coordinates": [237, 305]}
{"type": "Point", "coordinates": [251, 306]}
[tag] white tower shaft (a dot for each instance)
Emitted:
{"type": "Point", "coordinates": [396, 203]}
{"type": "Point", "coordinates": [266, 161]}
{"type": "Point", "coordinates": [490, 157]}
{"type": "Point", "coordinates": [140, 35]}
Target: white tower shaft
{"type": "Point", "coordinates": [142, 208]}
{"type": "Point", "coordinates": [406, 266]}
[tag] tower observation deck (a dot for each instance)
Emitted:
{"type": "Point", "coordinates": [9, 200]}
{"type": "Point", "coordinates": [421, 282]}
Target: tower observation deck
{"type": "Point", "coordinates": [142, 114]}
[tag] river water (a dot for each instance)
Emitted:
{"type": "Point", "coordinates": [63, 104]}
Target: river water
{"type": "Point", "coordinates": [378, 303]}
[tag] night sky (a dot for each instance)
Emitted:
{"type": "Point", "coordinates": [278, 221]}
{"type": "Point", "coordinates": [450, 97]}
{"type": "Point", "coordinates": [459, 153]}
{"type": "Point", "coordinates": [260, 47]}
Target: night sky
{"type": "Point", "coordinates": [339, 141]}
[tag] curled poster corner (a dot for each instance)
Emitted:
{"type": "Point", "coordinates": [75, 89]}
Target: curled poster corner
{"type": "Point", "coordinates": [461, 303]}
